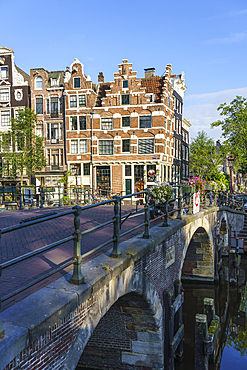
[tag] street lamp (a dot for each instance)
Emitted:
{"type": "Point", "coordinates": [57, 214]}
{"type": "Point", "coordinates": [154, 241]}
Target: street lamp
{"type": "Point", "coordinates": [91, 164]}
{"type": "Point", "coordinates": [231, 163]}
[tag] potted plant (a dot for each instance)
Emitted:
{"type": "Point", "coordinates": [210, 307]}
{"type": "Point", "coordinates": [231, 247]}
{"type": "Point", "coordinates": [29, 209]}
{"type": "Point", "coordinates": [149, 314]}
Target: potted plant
{"type": "Point", "coordinates": [198, 183]}
{"type": "Point", "coordinates": [208, 187]}
{"type": "Point", "coordinates": [188, 189]}
{"type": "Point", "coordinates": [162, 192]}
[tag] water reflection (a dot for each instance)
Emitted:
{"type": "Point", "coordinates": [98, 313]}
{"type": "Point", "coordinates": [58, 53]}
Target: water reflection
{"type": "Point", "coordinates": [231, 307]}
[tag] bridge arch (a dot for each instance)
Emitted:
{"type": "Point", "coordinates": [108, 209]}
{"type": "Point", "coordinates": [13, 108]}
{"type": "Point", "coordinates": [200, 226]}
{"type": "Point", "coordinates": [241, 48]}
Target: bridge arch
{"type": "Point", "coordinates": [198, 258]}
{"type": "Point", "coordinates": [132, 298]}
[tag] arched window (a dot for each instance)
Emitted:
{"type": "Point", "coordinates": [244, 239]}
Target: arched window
{"type": "Point", "coordinates": [39, 83]}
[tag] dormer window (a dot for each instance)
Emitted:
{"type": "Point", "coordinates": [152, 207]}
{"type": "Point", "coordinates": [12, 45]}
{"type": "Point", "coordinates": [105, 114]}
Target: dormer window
{"type": "Point", "coordinates": [39, 83]}
{"type": "Point", "coordinates": [125, 84]}
{"type": "Point", "coordinates": [54, 81]}
{"type": "Point", "coordinates": [77, 82]}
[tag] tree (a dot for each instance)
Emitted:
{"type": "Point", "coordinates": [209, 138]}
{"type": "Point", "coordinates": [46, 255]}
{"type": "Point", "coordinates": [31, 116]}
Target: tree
{"type": "Point", "coordinates": [204, 159]}
{"type": "Point", "coordinates": [234, 130]}
{"type": "Point", "coordinates": [21, 148]}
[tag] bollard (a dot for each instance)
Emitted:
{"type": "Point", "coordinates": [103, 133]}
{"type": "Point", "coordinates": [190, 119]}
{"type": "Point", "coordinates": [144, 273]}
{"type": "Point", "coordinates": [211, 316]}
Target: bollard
{"type": "Point", "coordinates": [201, 333]}
{"type": "Point", "coordinates": [146, 234]}
{"type": "Point", "coordinates": [116, 251]}
{"type": "Point", "coordinates": [77, 277]}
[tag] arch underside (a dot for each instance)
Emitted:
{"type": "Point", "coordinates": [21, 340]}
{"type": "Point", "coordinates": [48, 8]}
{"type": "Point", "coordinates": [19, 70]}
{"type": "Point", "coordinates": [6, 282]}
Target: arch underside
{"type": "Point", "coordinates": [199, 260]}
{"type": "Point", "coordinates": [127, 337]}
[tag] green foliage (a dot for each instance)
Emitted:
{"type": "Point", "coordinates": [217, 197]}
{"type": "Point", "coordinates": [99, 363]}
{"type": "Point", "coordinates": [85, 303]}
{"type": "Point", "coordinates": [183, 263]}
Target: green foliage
{"type": "Point", "coordinates": [21, 148]}
{"type": "Point", "coordinates": [234, 130]}
{"type": "Point", "coordinates": [162, 192]}
{"type": "Point", "coordinates": [204, 159]}
{"type": "Point", "coordinates": [64, 179]}
{"type": "Point", "coordinates": [66, 200]}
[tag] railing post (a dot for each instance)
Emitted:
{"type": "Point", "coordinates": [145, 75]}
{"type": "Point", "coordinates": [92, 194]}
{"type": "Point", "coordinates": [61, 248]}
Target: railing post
{"type": "Point", "coordinates": [2, 331]}
{"type": "Point", "coordinates": [77, 277]}
{"type": "Point", "coordinates": [179, 216]}
{"type": "Point", "coordinates": [190, 204]}
{"type": "Point", "coordinates": [146, 234]}
{"type": "Point", "coordinates": [59, 197]}
{"type": "Point", "coordinates": [21, 205]}
{"type": "Point", "coordinates": [41, 197]}
{"type": "Point", "coordinates": [116, 251]}
{"type": "Point", "coordinates": [165, 221]}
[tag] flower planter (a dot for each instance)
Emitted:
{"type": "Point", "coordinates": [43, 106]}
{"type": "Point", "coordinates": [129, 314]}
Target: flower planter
{"type": "Point", "coordinates": [208, 187]}
{"type": "Point", "coordinates": [188, 189]}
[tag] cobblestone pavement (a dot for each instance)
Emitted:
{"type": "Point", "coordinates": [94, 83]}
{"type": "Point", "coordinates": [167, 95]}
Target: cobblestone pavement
{"type": "Point", "coordinates": [30, 238]}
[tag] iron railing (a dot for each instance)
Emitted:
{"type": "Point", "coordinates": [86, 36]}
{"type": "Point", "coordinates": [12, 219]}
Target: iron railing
{"type": "Point", "coordinates": [181, 203]}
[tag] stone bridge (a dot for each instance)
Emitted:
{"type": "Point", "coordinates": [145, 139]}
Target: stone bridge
{"type": "Point", "coordinates": [117, 319]}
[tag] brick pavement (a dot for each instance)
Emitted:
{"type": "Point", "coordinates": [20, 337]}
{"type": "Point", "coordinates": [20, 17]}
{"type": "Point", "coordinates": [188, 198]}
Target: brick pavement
{"type": "Point", "coordinates": [33, 237]}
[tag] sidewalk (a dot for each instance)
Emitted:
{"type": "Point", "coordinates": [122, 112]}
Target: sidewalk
{"type": "Point", "coordinates": [22, 241]}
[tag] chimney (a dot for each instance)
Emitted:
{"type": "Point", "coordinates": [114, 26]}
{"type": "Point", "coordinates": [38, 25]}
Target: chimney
{"type": "Point", "coordinates": [149, 72]}
{"type": "Point", "coordinates": [100, 77]}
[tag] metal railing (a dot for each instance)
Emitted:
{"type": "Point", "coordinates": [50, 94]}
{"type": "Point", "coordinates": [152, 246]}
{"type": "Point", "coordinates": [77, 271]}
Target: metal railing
{"type": "Point", "coordinates": [181, 203]}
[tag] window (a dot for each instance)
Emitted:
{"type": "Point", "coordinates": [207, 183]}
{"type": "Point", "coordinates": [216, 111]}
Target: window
{"type": "Point", "coordinates": [39, 105]}
{"type": "Point", "coordinates": [107, 123]}
{"type": "Point", "coordinates": [83, 146]}
{"type": "Point", "coordinates": [83, 122]}
{"type": "Point", "coordinates": [125, 84]}
{"type": "Point", "coordinates": [54, 107]}
{"type": "Point", "coordinates": [145, 146]}
{"type": "Point", "coordinates": [54, 81]}
{"type": "Point", "coordinates": [170, 125]}
{"type": "Point", "coordinates": [77, 82]}
{"type": "Point", "coordinates": [125, 99]}
{"type": "Point", "coordinates": [4, 72]}
{"type": "Point", "coordinates": [73, 101]}
{"type": "Point", "coordinates": [86, 169]}
{"type": "Point", "coordinates": [126, 121]}
{"type": "Point", "coordinates": [47, 106]}
{"type": "Point", "coordinates": [61, 104]}
{"type": "Point", "coordinates": [126, 146]}
{"type": "Point", "coordinates": [39, 130]}
{"type": "Point", "coordinates": [5, 118]}
{"type": "Point", "coordinates": [4, 95]}
{"type": "Point", "coordinates": [127, 170]}
{"type": "Point", "coordinates": [39, 83]}
{"type": "Point", "coordinates": [82, 100]}
{"type": "Point", "coordinates": [54, 131]}
{"type": "Point", "coordinates": [145, 121]}
{"type": "Point", "coordinates": [74, 123]}
{"type": "Point", "coordinates": [105, 147]}
{"type": "Point", "coordinates": [74, 146]}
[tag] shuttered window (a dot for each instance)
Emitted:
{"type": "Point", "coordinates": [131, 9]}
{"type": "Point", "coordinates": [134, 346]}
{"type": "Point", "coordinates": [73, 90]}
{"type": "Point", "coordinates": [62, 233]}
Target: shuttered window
{"type": "Point", "coordinates": [145, 146]}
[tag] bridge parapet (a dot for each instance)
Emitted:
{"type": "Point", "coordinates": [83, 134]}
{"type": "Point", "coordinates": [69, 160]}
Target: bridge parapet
{"type": "Point", "coordinates": [54, 324]}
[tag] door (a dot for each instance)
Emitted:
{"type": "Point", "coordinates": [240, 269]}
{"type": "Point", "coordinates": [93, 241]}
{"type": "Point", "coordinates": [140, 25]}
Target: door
{"type": "Point", "coordinates": [128, 186]}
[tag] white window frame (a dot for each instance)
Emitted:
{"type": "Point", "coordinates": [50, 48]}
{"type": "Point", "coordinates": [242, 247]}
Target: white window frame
{"type": "Point", "coordinates": [81, 149]}
{"type": "Point", "coordinates": [8, 93]}
{"type": "Point", "coordinates": [107, 125]}
{"type": "Point", "coordinates": [1, 116]}
{"type": "Point", "coordinates": [146, 139]}
{"type": "Point", "coordinates": [77, 77]}
{"type": "Point", "coordinates": [7, 74]}
{"type": "Point", "coordinates": [75, 101]}
{"type": "Point", "coordinates": [37, 80]}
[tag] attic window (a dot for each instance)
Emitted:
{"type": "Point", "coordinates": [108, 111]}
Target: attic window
{"type": "Point", "coordinates": [54, 81]}
{"type": "Point", "coordinates": [125, 84]}
{"type": "Point", "coordinates": [77, 82]}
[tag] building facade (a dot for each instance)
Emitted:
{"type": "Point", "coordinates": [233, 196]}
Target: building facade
{"type": "Point", "coordinates": [180, 170]}
{"type": "Point", "coordinates": [47, 101]}
{"type": "Point", "coordinates": [14, 95]}
{"type": "Point", "coordinates": [120, 137]}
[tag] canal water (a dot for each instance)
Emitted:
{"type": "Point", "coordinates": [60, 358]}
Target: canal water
{"type": "Point", "coordinates": [231, 307]}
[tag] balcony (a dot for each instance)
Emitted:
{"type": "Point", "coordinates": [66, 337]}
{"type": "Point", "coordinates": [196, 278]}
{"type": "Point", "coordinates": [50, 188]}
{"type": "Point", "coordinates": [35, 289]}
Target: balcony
{"type": "Point", "coordinates": [54, 167]}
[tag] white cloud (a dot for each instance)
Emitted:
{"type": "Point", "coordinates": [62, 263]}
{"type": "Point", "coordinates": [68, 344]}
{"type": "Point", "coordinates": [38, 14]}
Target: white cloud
{"type": "Point", "coordinates": [201, 109]}
{"type": "Point", "coordinates": [234, 37]}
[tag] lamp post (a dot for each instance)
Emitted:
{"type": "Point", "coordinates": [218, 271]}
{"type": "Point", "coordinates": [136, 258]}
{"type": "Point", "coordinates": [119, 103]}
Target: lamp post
{"type": "Point", "coordinates": [91, 163]}
{"type": "Point", "coordinates": [230, 163]}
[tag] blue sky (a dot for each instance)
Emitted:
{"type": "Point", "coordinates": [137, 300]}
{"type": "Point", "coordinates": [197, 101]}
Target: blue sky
{"type": "Point", "coordinates": [205, 39]}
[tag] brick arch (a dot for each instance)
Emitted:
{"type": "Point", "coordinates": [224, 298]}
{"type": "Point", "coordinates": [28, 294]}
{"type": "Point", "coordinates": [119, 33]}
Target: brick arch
{"type": "Point", "coordinates": [123, 335]}
{"type": "Point", "coordinates": [199, 259]}
{"type": "Point", "coordinates": [189, 230]}
{"type": "Point", "coordinates": [127, 284]}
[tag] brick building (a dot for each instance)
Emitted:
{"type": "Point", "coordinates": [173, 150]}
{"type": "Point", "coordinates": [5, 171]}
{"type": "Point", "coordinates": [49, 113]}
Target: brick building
{"type": "Point", "coordinates": [47, 101]}
{"type": "Point", "coordinates": [128, 123]}
{"type": "Point", "coordinates": [14, 95]}
{"type": "Point", "coordinates": [180, 168]}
